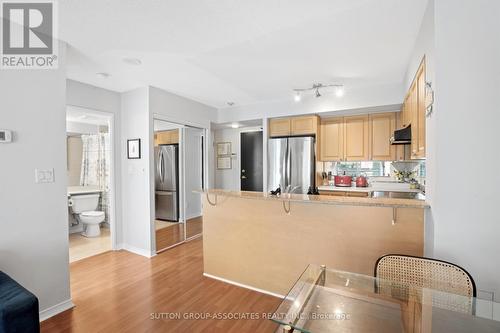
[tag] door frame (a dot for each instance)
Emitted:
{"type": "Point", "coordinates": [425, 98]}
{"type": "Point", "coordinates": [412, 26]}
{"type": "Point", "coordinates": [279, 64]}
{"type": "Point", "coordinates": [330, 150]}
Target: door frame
{"type": "Point", "coordinates": [112, 195]}
{"type": "Point", "coordinates": [182, 184]}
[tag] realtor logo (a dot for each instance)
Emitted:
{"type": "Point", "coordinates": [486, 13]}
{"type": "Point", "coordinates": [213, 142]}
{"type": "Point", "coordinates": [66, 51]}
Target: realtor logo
{"type": "Point", "coordinates": [28, 35]}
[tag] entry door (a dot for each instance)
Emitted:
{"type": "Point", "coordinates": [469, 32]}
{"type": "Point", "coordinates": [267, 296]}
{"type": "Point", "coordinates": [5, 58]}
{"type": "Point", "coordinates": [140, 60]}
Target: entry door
{"type": "Point", "coordinates": [251, 161]}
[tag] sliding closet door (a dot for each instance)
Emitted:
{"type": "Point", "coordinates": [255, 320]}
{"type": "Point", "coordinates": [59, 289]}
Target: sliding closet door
{"type": "Point", "coordinates": [193, 176]}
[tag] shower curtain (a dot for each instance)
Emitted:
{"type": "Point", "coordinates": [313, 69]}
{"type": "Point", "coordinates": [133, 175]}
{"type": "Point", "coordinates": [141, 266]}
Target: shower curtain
{"type": "Point", "coordinates": [96, 166]}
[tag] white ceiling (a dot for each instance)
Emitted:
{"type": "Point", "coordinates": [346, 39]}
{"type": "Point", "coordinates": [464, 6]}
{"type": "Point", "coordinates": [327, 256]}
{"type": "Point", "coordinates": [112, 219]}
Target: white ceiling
{"type": "Point", "coordinates": [215, 51]}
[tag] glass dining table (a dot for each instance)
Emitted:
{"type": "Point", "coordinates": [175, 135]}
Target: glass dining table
{"type": "Point", "coordinates": [328, 300]}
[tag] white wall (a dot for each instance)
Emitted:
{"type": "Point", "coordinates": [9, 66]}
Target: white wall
{"type": "Point", "coordinates": [75, 153]}
{"type": "Point", "coordinates": [364, 97]}
{"type": "Point", "coordinates": [81, 95]}
{"type": "Point", "coordinates": [170, 107]}
{"type": "Point", "coordinates": [90, 97]}
{"type": "Point", "coordinates": [467, 76]}
{"type": "Point", "coordinates": [136, 123]}
{"type": "Point", "coordinates": [139, 108]}
{"type": "Point", "coordinates": [179, 109]}
{"type": "Point", "coordinates": [34, 217]}
{"type": "Point", "coordinates": [230, 179]}
{"type": "Point", "coordinates": [81, 128]}
{"type": "Point", "coordinates": [425, 46]}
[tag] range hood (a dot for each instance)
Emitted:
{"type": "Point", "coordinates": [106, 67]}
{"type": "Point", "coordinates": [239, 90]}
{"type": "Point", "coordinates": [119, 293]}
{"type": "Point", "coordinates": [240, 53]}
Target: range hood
{"type": "Point", "coordinates": [402, 136]}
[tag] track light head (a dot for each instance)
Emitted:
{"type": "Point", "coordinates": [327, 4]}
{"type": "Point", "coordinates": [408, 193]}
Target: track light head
{"type": "Point", "coordinates": [297, 96]}
{"type": "Point", "coordinates": [317, 94]}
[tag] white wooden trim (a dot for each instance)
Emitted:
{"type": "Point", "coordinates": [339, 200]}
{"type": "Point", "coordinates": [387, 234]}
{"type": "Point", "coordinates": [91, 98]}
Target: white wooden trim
{"type": "Point", "coordinates": [56, 309]}
{"type": "Point", "coordinates": [243, 285]}
{"type": "Point", "coordinates": [136, 250]}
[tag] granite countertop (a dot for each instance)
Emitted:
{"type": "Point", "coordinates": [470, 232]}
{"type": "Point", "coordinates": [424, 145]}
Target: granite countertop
{"type": "Point", "coordinates": [321, 199]}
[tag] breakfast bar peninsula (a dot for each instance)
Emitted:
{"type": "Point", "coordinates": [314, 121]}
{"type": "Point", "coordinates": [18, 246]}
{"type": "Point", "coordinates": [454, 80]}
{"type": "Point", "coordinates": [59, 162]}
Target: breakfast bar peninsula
{"type": "Point", "coordinates": [265, 242]}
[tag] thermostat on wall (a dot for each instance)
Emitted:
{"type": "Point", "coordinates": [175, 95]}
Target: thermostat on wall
{"type": "Point", "coordinates": [5, 136]}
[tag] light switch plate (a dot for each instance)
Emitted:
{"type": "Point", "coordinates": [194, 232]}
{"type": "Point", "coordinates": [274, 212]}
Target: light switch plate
{"type": "Point", "coordinates": [44, 176]}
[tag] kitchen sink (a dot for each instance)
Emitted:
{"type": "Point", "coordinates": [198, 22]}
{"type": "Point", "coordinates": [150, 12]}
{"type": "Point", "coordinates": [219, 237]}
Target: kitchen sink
{"type": "Point", "coordinates": [398, 195]}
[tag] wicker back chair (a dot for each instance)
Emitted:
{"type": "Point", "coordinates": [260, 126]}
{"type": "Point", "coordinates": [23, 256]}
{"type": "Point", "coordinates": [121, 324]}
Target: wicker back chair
{"type": "Point", "coordinates": [431, 274]}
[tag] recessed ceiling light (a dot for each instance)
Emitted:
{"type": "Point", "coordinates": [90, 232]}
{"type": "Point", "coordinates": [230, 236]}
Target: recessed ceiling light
{"type": "Point", "coordinates": [132, 61]}
{"type": "Point", "coordinates": [103, 75]}
{"type": "Point", "coordinates": [235, 125]}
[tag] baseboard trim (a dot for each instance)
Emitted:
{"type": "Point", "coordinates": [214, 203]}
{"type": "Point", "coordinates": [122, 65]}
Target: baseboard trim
{"type": "Point", "coordinates": [262, 291]}
{"type": "Point", "coordinates": [136, 250]}
{"type": "Point", "coordinates": [56, 309]}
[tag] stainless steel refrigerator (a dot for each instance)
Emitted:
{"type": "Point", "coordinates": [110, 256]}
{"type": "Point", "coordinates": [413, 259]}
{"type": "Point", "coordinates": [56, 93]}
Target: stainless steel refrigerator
{"type": "Point", "coordinates": [291, 164]}
{"type": "Point", "coordinates": [167, 182]}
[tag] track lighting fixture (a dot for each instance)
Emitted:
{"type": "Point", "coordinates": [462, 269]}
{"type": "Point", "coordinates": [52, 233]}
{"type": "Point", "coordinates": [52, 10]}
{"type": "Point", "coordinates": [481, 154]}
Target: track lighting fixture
{"type": "Point", "coordinates": [317, 94]}
{"type": "Point", "coordinates": [339, 90]}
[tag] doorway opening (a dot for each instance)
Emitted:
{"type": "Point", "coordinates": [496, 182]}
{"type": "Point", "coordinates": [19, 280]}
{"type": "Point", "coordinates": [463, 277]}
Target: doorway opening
{"type": "Point", "coordinates": [90, 166]}
{"type": "Point", "coordinates": [179, 172]}
{"type": "Point", "coordinates": [251, 161]}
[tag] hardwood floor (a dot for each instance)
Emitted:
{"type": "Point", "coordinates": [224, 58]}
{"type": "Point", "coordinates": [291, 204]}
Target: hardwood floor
{"type": "Point", "coordinates": [194, 226]}
{"type": "Point", "coordinates": [169, 236]}
{"type": "Point", "coordinates": [118, 292]}
{"type": "Point", "coordinates": [174, 233]}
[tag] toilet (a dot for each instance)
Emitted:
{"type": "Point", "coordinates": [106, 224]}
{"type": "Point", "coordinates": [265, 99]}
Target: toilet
{"type": "Point", "coordinates": [84, 207]}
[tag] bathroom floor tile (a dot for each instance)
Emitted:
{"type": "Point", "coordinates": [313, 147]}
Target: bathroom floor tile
{"type": "Point", "coordinates": [82, 247]}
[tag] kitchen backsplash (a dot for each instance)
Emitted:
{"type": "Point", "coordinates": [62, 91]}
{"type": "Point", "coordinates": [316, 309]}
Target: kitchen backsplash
{"type": "Point", "coordinates": [403, 171]}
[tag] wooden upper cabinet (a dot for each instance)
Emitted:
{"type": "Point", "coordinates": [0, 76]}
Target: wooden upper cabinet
{"type": "Point", "coordinates": [421, 110]}
{"type": "Point", "coordinates": [166, 137]}
{"type": "Point", "coordinates": [382, 126]}
{"type": "Point", "coordinates": [405, 113]}
{"type": "Point", "coordinates": [174, 136]}
{"type": "Point", "coordinates": [332, 140]}
{"type": "Point", "coordinates": [279, 127]}
{"type": "Point", "coordinates": [304, 125]}
{"type": "Point", "coordinates": [356, 138]}
{"type": "Point", "coordinates": [412, 103]}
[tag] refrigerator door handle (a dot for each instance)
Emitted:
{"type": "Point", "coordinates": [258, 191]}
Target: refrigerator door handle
{"type": "Point", "coordinates": [162, 168]}
{"type": "Point", "coordinates": [158, 165]}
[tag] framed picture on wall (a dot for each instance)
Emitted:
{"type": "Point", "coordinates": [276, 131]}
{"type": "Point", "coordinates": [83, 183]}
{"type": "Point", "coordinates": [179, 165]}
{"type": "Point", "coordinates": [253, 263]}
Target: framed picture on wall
{"type": "Point", "coordinates": [133, 149]}
{"type": "Point", "coordinates": [223, 148]}
{"type": "Point", "coordinates": [224, 162]}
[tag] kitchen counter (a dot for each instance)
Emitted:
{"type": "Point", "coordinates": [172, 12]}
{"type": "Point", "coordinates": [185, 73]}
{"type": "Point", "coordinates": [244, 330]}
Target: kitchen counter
{"type": "Point", "coordinates": [264, 242]}
{"type": "Point", "coordinates": [322, 199]}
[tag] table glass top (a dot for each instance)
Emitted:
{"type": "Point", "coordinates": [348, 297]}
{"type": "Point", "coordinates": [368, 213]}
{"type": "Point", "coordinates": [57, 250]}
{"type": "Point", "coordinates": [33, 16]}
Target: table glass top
{"type": "Point", "coordinates": [327, 300]}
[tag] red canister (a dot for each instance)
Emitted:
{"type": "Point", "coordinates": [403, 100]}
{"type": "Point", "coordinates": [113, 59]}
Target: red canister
{"type": "Point", "coordinates": [361, 181]}
{"type": "Point", "coordinates": [343, 181]}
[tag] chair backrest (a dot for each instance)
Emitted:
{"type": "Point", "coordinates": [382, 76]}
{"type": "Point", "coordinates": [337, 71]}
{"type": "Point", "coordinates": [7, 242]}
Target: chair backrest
{"type": "Point", "coordinates": [429, 273]}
